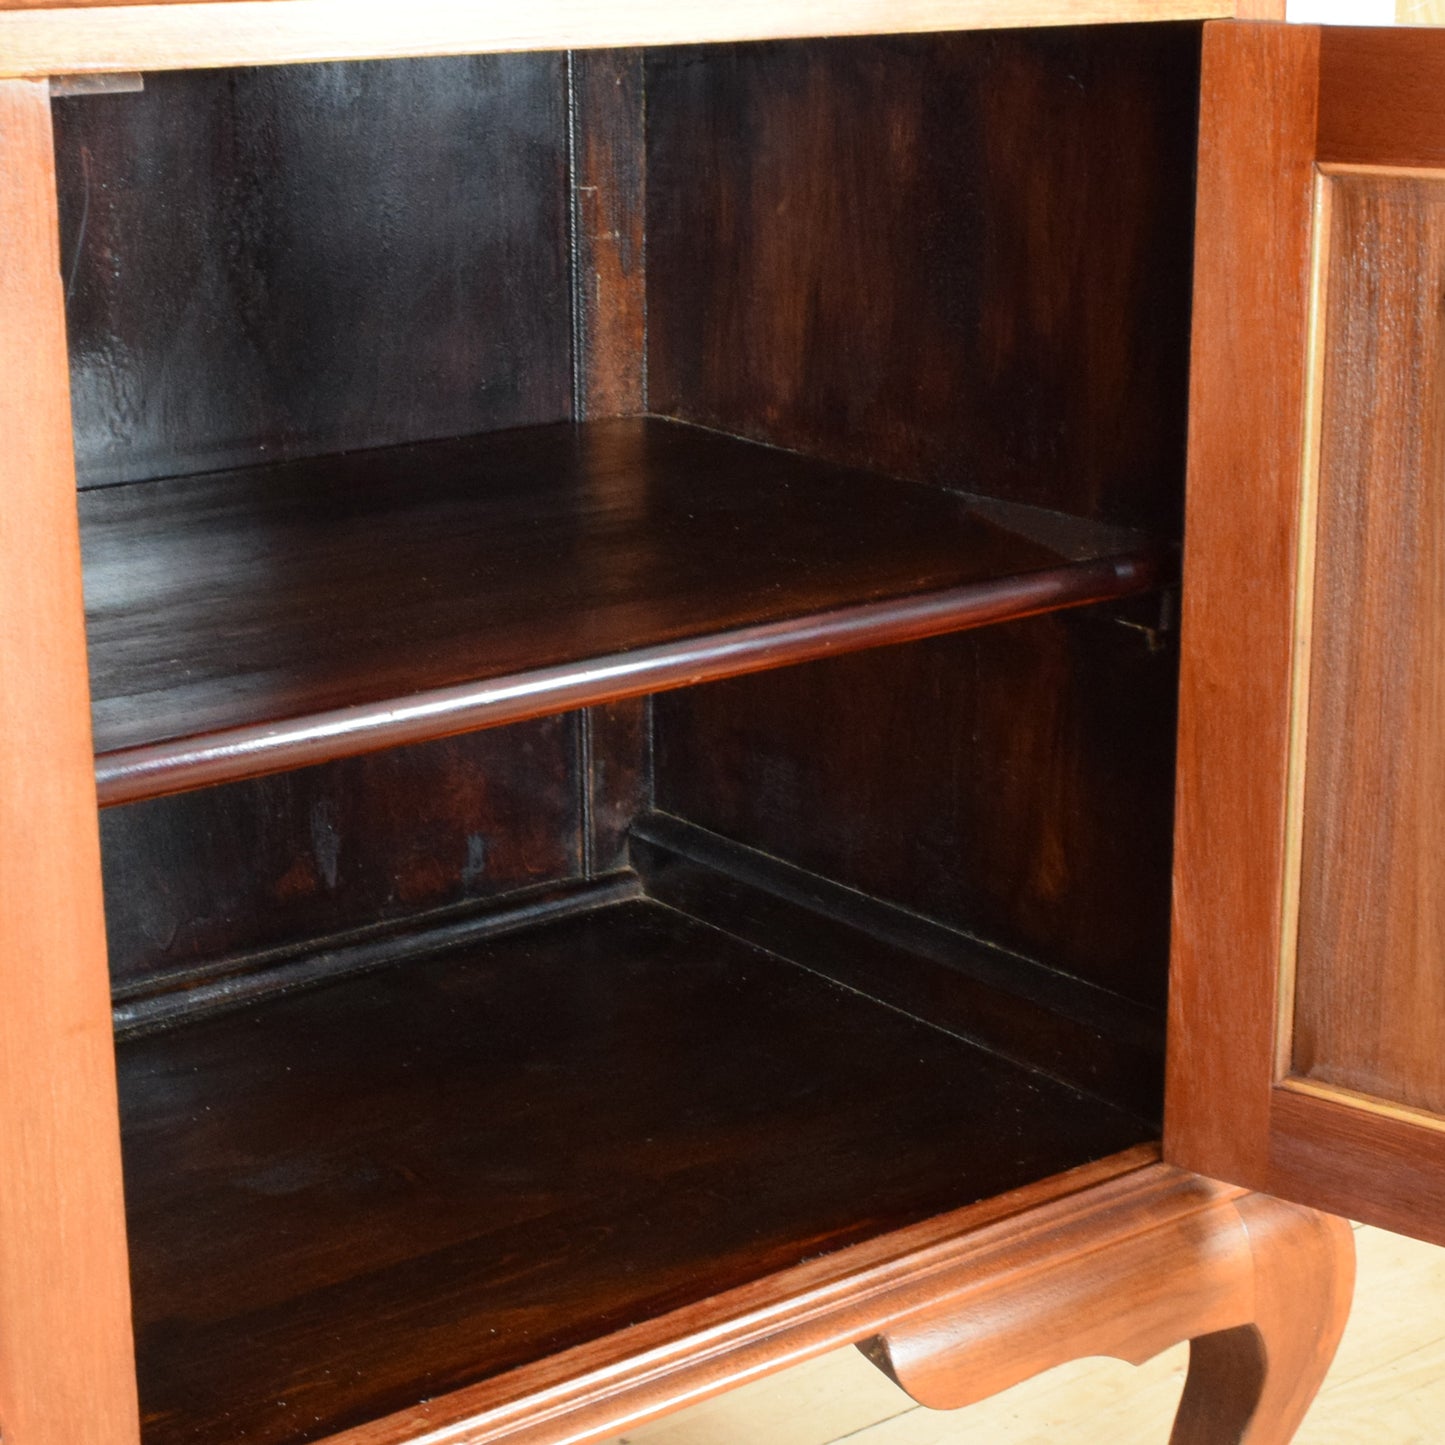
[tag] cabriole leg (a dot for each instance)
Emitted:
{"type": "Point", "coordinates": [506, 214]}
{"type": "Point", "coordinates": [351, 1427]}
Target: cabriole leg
{"type": "Point", "coordinates": [1260, 1288]}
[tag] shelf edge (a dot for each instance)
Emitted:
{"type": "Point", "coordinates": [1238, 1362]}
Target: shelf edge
{"type": "Point", "coordinates": [151, 770]}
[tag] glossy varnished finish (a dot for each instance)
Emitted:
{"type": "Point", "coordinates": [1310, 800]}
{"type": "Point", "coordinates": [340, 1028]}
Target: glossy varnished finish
{"type": "Point", "coordinates": [65, 1359]}
{"type": "Point", "coordinates": [1370, 994]}
{"type": "Point", "coordinates": [1256, 174]}
{"type": "Point", "coordinates": [241, 623]}
{"type": "Point", "coordinates": [962, 260]}
{"type": "Point", "coordinates": [250, 279]}
{"type": "Point", "coordinates": [448, 1169]}
{"type": "Point", "coordinates": [240, 878]}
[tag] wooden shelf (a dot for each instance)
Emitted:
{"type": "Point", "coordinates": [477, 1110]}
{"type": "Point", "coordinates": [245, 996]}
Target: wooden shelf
{"type": "Point", "coordinates": [246, 622]}
{"type": "Point", "coordinates": [344, 1200]}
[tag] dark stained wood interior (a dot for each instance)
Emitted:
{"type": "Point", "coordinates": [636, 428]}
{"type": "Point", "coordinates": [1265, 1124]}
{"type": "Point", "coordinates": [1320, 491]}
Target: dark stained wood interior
{"type": "Point", "coordinates": [1013, 781]}
{"type": "Point", "coordinates": [453, 1167]}
{"type": "Point", "coordinates": [243, 622]}
{"type": "Point", "coordinates": [1085, 1036]}
{"type": "Point", "coordinates": [1370, 992]}
{"type": "Point", "coordinates": [401, 1025]}
{"type": "Point", "coordinates": [964, 259]}
{"type": "Point", "coordinates": [243, 875]}
{"type": "Point", "coordinates": [279, 262]}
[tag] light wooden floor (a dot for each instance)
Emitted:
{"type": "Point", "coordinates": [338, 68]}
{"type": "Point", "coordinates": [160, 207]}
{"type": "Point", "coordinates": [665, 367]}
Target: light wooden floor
{"type": "Point", "coordinates": [1387, 1386]}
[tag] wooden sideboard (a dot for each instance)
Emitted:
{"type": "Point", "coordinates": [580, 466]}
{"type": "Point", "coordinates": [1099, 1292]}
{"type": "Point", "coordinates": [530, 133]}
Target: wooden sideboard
{"type": "Point", "coordinates": [621, 628]}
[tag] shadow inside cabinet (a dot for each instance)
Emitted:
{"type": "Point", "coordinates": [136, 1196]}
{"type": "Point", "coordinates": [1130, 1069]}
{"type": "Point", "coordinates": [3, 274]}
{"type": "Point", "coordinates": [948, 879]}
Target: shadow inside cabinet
{"type": "Point", "coordinates": [633, 683]}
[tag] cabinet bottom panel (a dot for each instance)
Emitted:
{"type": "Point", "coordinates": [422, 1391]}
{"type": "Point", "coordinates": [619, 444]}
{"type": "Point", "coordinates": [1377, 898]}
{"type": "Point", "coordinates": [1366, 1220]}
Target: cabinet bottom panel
{"type": "Point", "coordinates": [347, 1200]}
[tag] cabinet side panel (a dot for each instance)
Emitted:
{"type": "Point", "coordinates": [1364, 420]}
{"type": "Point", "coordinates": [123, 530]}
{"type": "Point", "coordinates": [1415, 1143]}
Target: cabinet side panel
{"type": "Point", "coordinates": [271, 263]}
{"type": "Point", "coordinates": [1370, 990]}
{"type": "Point", "coordinates": [66, 1372]}
{"type": "Point", "coordinates": [963, 259]}
{"type": "Point", "coordinates": [1247, 390]}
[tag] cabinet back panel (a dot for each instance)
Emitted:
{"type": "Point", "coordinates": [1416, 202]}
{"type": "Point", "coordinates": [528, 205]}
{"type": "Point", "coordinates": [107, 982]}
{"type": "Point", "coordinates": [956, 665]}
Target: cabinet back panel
{"type": "Point", "coordinates": [280, 262]}
{"type": "Point", "coordinates": [281, 862]}
{"type": "Point", "coordinates": [1013, 782]}
{"type": "Point", "coordinates": [963, 259]}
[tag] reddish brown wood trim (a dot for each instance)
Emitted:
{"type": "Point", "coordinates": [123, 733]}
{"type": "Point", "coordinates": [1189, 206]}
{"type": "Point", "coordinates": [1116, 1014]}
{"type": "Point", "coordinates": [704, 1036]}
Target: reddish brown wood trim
{"type": "Point", "coordinates": [638, 1374]}
{"type": "Point", "coordinates": [1382, 102]}
{"type": "Point", "coordinates": [171, 767]}
{"type": "Point", "coordinates": [1256, 173]}
{"type": "Point", "coordinates": [1358, 1162]}
{"type": "Point", "coordinates": [1237, 1265]}
{"type": "Point", "coordinates": [1261, 1288]}
{"type": "Point", "coordinates": [66, 1372]}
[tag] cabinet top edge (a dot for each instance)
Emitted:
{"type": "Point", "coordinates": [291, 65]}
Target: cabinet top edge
{"type": "Point", "coordinates": [38, 40]}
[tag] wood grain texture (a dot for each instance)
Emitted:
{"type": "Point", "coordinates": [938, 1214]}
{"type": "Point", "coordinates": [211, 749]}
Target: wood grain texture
{"type": "Point", "coordinates": [1370, 997]}
{"type": "Point", "coordinates": [65, 1339]}
{"type": "Point", "coordinates": [962, 260]}
{"type": "Point", "coordinates": [150, 37]}
{"type": "Point", "coordinates": [266, 264]}
{"type": "Point", "coordinates": [1246, 435]}
{"type": "Point", "coordinates": [245, 622]}
{"type": "Point", "coordinates": [346, 1201]}
{"type": "Point", "coordinates": [1358, 1163]}
{"type": "Point", "coordinates": [1262, 1289]}
{"type": "Point", "coordinates": [1382, 97]}
{"type": "Point", "coordinates": [607, 106]}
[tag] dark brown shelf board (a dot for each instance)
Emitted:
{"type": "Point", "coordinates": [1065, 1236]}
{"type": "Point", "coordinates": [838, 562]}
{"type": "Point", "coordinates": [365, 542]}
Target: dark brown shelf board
{"type": "Point", "coordinates": [346, 1200]}
{"type": "Point", "coordinates": [245, 622]}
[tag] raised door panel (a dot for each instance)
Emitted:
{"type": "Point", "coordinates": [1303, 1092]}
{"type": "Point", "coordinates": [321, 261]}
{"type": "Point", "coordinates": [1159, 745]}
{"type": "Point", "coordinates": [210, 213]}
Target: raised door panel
{"type": "Point", "coordinates": [1307, 1049]}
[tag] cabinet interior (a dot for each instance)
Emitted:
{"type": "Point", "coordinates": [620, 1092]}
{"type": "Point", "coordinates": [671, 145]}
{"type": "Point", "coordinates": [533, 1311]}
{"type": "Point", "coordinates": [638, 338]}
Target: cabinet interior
{"type": "Point", "coordinates": [574, 846]}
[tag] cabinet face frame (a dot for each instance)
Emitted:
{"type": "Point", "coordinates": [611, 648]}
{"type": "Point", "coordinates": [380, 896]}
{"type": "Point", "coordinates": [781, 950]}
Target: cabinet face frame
{"type": "Point", "coordinates": [66, 1371]}
{"type": "Point", "coordinates": [1284, 111]}
{"type": "Point", "coordinates": [99, 36]}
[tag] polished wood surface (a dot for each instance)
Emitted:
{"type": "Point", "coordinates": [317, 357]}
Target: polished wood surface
{"type": "Point", "coordinates": [65, 1342]}
{"type": "Point", "coordinates": [168, 36]}
{"type": "Point", "coordinates": [1369, 996]}
{"type": "Point", "coordinates": [963, 259]}
{"type": "Point", "coordinates": [350, 1199]}
{"type": "Point", "coordinates": [245, 622]}
{"type": "Point", "coordinates": [1256, 176]}
{"type": "Point", "coordinates": [250, 277]}
{"type": "Point", "coordinates": [1262, 1289]}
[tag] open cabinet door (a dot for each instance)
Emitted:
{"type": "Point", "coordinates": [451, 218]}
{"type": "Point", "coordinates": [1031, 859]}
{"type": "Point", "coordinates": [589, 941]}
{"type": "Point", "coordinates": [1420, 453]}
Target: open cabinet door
{"type": "Point", "coordinates": [1307, 1023]}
